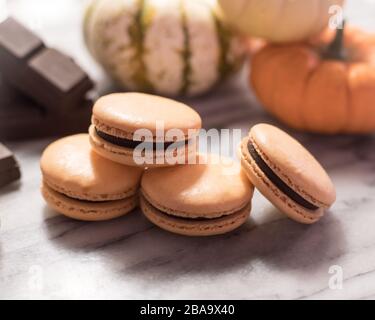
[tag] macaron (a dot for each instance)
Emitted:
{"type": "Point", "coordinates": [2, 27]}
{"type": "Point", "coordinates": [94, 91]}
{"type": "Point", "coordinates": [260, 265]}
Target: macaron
{"type": "Point", "coordinates": [287, 174]}
{"type": "Point", "coordinates": [208, 198]}
{"type": "Point", "coordinates": [122, 123]}
{"type": "Point", "coordinates": [80, 184]}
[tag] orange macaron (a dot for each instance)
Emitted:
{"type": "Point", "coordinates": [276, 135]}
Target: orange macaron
{"type": "Point", "coordinates": [80, 184]}
{"type": "Point", "coordinates": [205, 199]}
{"type": "Point", "coordinates": [287, 174]}
{"type": "Point", "coordinates": [169, 128]}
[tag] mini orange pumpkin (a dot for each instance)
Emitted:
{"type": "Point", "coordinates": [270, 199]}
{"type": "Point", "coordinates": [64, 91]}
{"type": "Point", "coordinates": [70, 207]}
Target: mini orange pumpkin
{"type": "Point", "coordinates": [322, 86]}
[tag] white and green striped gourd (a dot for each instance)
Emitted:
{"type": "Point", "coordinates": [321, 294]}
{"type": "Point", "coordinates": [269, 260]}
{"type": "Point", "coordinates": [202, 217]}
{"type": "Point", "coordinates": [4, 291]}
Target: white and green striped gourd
{"type": "Point", "coordinates": [169, 47]}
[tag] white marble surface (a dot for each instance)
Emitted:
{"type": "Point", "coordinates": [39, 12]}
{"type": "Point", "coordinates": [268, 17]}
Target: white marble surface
{"type": "Point", "coordinates": [46, 256]}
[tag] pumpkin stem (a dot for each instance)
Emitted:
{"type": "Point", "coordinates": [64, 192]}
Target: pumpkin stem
{"type": "Point", "coordinates": [336, 50]}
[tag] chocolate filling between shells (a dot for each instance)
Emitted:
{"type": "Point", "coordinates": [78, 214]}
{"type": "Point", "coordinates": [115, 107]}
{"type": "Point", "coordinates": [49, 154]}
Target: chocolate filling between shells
{"type": "Point", "coordinates": [278, 182]}
{"type": "Point", "coordinates": [81, 200]}
{"type": "Point", "coordinates": [187, 219]}
{"type": "Point", "coordinates": [132, 144]}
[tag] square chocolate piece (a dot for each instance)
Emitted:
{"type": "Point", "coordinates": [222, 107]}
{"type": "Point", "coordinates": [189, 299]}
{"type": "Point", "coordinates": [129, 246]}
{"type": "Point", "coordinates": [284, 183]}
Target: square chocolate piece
{"type": "Point", "coordinates": [21, 118]}
{"type": "Point", "coordinates": [49, 77]}
{"type": "Point", "coordinates": [9, 169]}
{"type": "Point", "coordinates": [18, 40]}
{"type": "Point", "coordinates": [58, 69]}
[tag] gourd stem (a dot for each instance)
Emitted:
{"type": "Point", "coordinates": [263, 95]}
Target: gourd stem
{"type": "Point", "coordinates": [336, 50]}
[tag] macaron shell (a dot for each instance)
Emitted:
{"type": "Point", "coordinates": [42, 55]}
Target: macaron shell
{"type": "Point", "coordinates": [70, 166]}
{"type": "Point", "coordinates": [103, 127]}
{"type": "Point", "coordinates": [198, 191]}
{"type": "Point", "coordinates": [132, 111]}
{"type": "Point", "coordinates": [195, 228]}
{"type": "Point", "coordinates": [273, 194]}
{"type": "Point", "coordinates": [88, 211]}
{"type": "Point", "coordinates": [293, 164]}
{"type": "Point", "coordinates": [125, 156]}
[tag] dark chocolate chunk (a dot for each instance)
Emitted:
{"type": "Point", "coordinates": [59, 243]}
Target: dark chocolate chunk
{"type": "Point", "coordinates": [18, 40]}
{"type": "Point", "coordinates": [58, 69]}
{"type": "Point", "coordinates": [21, 118]}
{"type": "Point", "coordinates": [278, 182]}
{"type": "Point", "coordinates": [9, 169]}
{"type": "Point", "coordinates": [9, 176]}
{"type": "Point", "coordinates": [6, 158]}
{"type": "Point", "coordinates": [47, 76]}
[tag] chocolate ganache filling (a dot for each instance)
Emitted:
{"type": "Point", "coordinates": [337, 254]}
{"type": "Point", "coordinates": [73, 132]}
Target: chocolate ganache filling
{"type": "Point", "coordinates": [132, 144]}
{"type": "Point", "coordinates": [77, 199]}
{"type": "Point", "coordinates": [279, 183]}
{"type": "Point", "coordinates": [200, 219]}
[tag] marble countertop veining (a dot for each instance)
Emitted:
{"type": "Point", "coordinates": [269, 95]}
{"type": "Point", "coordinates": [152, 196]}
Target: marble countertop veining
{"type": "Point", "coordinates": [46, 256]}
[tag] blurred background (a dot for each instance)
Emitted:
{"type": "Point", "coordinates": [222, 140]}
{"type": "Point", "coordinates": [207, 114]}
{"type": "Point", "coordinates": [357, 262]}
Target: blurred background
{"type": "Point", "coordinates": [59, 23]}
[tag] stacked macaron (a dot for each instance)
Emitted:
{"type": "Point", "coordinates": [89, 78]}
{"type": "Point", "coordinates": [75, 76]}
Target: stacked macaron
{"type": "Point", "coordinates": [142, 149]}
{"type": "Point", "coordinates": [97, 176]}
{"type": "Point", "coordinates": [210, 197]}
{"type": "Point", "coordinates": [80, 184]}
{"type": "Point", "coordinates": [123, 124]}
